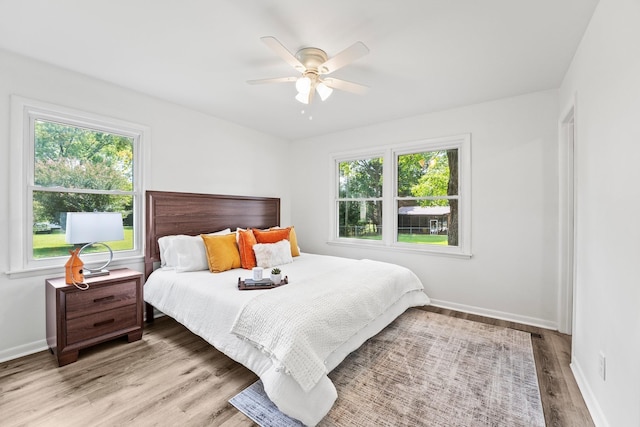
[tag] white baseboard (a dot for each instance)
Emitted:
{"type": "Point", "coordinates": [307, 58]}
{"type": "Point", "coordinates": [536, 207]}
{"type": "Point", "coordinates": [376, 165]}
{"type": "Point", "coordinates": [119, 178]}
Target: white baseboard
{"type": "Point", "coordinates": [532, 321]}
{"type": "Point", "coordinates": [587, 394]}
{"type": "Point", "coordinates": [38, 346]}
{"type": "Point", "coordinates": [23, 350]}
{"type": "Point", "coordinates": [34, 347]}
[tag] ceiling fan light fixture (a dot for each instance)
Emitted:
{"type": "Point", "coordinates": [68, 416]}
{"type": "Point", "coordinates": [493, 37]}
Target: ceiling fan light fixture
{"type": "Point", "coordinates": [314, 64]}
{"type": "Point", "coordinates": [303, 85]}
{"type": "Point", "coordinates": [303, 97]}
{"type": "Point", "coordinates": [324, 91]}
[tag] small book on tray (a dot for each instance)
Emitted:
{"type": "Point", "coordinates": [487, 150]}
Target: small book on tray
{"type": "Point", "coordinates": [261, 282]}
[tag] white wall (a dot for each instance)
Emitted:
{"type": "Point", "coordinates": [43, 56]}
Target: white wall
{"type": "Point", "coordinates": [512, 273]}
{"type": "Point", "coordinates": [190, 151]}
{"type": "Point", "coordinates": [604, 78]}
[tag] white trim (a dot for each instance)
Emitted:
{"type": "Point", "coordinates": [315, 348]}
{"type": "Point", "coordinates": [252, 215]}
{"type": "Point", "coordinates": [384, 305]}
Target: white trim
{"type": "Point", "coordinates": [567, 190]}
{"type": "Point", "coordinates": [41, 345]}
{"type": "Point", "coordinates": [589, 397]}
{"type": "Point", "coordinates": [346, 157]}
{"type": "Point", "coordinates": [389, 155]}
{"type": "Point", "coordinates": [58, 270]}
{"type": "Point", "coordinates": [495, 314]}
{"type": "Point", "coordinates": [23, 350]}
{"type": "Point", "coordinates": [377, 244]}
{"type": "Point", "coordinates": [23, 110]}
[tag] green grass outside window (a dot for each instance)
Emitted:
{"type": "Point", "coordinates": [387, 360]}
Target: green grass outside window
{"type": "Point", "coordinates": [53, 245]}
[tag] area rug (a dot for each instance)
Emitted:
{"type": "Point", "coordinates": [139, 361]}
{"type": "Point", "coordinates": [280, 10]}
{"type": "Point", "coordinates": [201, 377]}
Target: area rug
{"type": "Point", "coordinates": [426, 369]}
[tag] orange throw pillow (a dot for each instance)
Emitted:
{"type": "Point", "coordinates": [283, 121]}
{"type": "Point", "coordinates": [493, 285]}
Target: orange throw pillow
{"type": "Point", "coordinates": [246, 240]}
{"type": "Point", "coordinates": [222, 252]}
{"type": "Point", "coordinates": [271, 236]}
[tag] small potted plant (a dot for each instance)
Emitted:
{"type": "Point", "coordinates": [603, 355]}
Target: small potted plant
{"type": "Point", "coordinates": [276, 276]}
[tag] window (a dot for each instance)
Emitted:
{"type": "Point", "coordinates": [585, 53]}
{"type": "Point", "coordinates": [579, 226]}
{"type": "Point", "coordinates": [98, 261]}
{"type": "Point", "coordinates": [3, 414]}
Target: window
{"type": "Point", "coordinates": [360, 198]}
{"type": "Point", "coordinates": [412, 197]}
{"type": "Point", "coordinates": [71, 162]}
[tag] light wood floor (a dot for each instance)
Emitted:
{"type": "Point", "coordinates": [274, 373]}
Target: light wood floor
{"type": "Point", "coordinates": [172, 377]}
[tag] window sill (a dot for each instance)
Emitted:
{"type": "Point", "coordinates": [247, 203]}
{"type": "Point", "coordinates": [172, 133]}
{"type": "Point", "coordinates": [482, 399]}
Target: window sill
{"type": "Point", "coordinates": [378, 245]}
{"type": "Point", "coordinates": [59, 269]}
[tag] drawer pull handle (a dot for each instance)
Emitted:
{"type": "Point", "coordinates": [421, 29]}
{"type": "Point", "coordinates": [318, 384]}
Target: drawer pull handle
{"type": "Point", "coordinates": [110, 297]}
{"type": "Point", "coordinates": [104, 322]}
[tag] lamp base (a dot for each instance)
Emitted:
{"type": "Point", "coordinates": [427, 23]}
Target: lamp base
{"type": "Point", "coordinates": [95, 273]}
{"type": "Point", "coordinates": [101, 270]}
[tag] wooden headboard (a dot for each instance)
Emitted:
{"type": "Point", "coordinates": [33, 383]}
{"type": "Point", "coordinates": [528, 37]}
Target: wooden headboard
{"type": "Point", "coordinates": [191, 213]}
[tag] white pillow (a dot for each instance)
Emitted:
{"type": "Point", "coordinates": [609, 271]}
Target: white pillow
{"type": "Point", "coordinates": [271, 254]}
{"type": "Point", "coordinates": [185, 253]}
{"type": "Point", "coordinates": [163, 244]}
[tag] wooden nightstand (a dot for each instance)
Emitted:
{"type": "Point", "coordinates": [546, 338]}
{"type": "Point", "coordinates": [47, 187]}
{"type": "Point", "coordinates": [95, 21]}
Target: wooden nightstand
{"type": "Point", "coordinates": [110, 308]}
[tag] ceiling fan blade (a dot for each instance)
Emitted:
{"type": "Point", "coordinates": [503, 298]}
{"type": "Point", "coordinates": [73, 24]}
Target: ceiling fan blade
{"type": "Point", "coordinates": [274, 80]}
{"type": "Point", "coordinates": [347, 56]}
{"type": "Point", "coordinates": [283, 52]}
{"type": "Point", "coordinates": [346, 86]}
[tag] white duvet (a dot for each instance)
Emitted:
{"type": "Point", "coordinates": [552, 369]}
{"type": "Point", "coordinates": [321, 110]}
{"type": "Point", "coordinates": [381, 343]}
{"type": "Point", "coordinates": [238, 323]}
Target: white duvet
{"type": "Point", "coordinates": [332, 304]}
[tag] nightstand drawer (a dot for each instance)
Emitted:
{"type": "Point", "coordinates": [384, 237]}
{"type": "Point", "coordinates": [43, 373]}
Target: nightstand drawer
{"type": "Point", "coordinates": [101, 323]}
{"type": "Point", "coordinates": [100, 299]}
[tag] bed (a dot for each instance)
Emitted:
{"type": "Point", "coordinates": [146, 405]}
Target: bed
{"type": "Point", "coordinates": [290, 336]}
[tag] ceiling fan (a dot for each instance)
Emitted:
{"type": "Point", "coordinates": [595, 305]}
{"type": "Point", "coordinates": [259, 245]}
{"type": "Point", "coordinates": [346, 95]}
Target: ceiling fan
{"type": "Point", "coordinates": [313, 64]}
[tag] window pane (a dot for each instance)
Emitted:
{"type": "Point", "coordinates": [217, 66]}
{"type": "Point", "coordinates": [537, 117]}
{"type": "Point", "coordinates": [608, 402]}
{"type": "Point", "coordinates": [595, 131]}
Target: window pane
{"type": "Point", "coordinates": [360, 219]}
{"type": "Point", "coordinates": [428, 222]}
{"type": "Point", "coordinates": [360, 179]}
{"type": "Point", "coordinates": [428, 174]}
{"type": "Point", "coordinates": [74, 157]}
{"type": "Point", "coordinates": [430, 179]}
{"type": "Point", "coordinates": [49, 212]}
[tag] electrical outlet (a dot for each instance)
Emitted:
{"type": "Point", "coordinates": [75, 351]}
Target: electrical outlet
{"type": "Point", "coordinates": [602, 366]}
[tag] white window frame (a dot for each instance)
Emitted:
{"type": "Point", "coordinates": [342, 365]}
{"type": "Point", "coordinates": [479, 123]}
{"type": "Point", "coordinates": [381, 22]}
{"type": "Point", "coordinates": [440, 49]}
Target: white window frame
{"type": "Point", "coordinates": [390, 155]}
{"type": "Point", "coordinates": [336, 200]}
{"type": "Point", "coordinates": [24, 112]}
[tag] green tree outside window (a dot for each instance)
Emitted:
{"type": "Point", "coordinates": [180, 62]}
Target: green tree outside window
{"type": "Point", "coordinates": [77, 169]}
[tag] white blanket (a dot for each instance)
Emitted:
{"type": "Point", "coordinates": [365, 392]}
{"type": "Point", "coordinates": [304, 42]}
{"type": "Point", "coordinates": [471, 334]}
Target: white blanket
{"type": "Point", "coordinates": [301, 326]}
{"type": "Point", "coordinates": [208, 304]}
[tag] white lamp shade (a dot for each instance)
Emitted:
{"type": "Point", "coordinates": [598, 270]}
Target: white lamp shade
{"type": "Point", "coordinates": [324, 91]}
{"type": "Point", "coordinates": [303, 97]}
{"type": "Point", "coordinates": [89, 227]}
{"type": "Point", "coordinates": [303, 85]}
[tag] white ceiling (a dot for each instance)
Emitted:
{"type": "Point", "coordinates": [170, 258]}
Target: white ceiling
{"type": "Point", "coordinates": [425, 55]}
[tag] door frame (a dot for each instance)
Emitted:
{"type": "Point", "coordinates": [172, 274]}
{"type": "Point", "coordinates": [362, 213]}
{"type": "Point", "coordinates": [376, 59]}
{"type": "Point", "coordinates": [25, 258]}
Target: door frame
{"type": "Point", "coordinates": [567, 204]}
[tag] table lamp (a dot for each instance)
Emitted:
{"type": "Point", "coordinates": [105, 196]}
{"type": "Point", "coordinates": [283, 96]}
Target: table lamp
{"type": "Point", "coordinates": [91, 228]}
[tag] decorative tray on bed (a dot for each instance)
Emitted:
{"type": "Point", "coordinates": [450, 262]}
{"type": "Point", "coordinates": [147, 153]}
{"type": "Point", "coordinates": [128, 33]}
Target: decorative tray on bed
{"type": "Point", "coordinates": [266, 284]}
